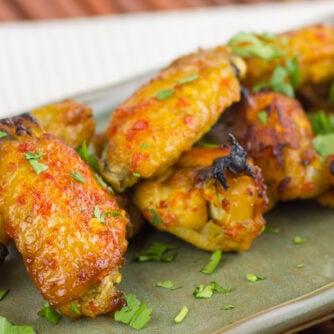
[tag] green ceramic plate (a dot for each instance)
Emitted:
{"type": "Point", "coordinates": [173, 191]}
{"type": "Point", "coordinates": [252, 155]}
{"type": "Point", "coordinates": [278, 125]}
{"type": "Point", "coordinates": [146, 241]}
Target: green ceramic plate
{"type": "Point", "coordinates": [289, 298]}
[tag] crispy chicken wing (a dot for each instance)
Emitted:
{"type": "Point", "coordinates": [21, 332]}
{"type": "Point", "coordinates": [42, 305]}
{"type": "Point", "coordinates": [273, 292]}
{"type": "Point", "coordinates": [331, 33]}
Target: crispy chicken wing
{"type": "Point", "coordinates": [277, 134]}
{"type": "Point", "coordinates": [327, 198]}
{"type": "Point", "coordinates": [150, 130]}
{"type": "Point", "coordinates": [213, 198]}
{"type": "Point", "coordinates": [313, 46]}
{"type": "Point", "coordinates": [69, 120]}
{"type": "Point", "coordinates": [70, 231]}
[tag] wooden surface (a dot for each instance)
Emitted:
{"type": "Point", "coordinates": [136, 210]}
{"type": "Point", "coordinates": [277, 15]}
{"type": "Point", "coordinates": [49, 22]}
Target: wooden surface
{"type": "Point", "coordinates": [23, 10]}
{"type": "Point", "coordinates": [15, 10]}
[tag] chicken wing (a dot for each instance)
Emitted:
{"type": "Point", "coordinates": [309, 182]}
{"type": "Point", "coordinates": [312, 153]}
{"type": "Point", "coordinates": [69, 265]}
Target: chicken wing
{"type": "Point", "coordinates": [68, 120]}
{"type": "Point", "coordinates": [149, 131]}
{"type": "Point", "coordinates": [69, 230]}
{"type": "Point", "coordinates": [313, 46]}
{"type": "Point", "coordinates": [277, 134]}
{"type": "Point", "coordinates": [213, 198]}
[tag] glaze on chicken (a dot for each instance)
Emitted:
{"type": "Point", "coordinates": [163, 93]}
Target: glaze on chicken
{"type": "Point", "coordinates": [69, 231]}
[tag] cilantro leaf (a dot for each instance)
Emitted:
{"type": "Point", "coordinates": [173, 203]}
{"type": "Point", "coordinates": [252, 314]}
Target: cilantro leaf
{"type": "Point", "coordinates": [254, 278]}
{"type": "Point", "coordinates": [157, 252]}
{"type": "Point", "coordinates": [3, 134]}
{"type": "Point", "coordinates": [134, 313]}
{"type": "Point", "coordinates": [86, 156]}
{"type": "Point", "coordinates": [166, 285]}
{"type": "Point", "coordinates": [322, 123]}
{"type": "Point", "coordinates": [37, 166]}
{"type": "Point", "coordinates": [181, 315]}
{"type": "Point", "coordinates": [156, 220]}
{"type": "Point", "coordinates": [188, 79]}
{"type": "Point", "coordinates": [228, 307]}
{"type": "Point", "coordinates": [164, 94]}
{"type": "Point", "coordinates": [297, 240]}
{"type": "Point", "coordinates": [7, 328]}
{"type": "Point", "coordinates": [323, 143]}
{"type": "Point", "coordinates": [77, 176]}
{"type": "Point", "coordinates": [263, 116]}
{"type": "Point", "coordinates": [213, 263]}
{"type": "Point", "coordinates": [49, 313]}
{"type": "Point", "coordinates": [249, 45]}
{"type": "Point", "coordinates": [3, 294]}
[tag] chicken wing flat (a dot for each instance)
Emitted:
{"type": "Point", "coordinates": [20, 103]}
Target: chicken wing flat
{"type": "Point", "coordinates": [313, 47]}
{"type": "Point", "coordinates": [149, 131]}
{"type": "Point", "coordinates": [68, 120]}
{"type": "Point", "coordinates": [69, 230]}
{"type": "Point", "coordinates": [327, 198]}
{"type": "Point", "coordinates": [213, 198]}
{"type": "Point", "coordinates": [277, 134]}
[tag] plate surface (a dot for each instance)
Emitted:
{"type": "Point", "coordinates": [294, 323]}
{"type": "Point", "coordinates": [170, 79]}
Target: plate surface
{"type": "Point", "coordinates": [288, 298]}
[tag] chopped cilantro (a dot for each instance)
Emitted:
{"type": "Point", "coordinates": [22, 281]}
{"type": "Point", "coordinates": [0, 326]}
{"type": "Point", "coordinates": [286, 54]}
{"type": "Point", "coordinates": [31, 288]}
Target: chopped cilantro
{"type": "Point", "coordinates": [77, 176]}
{"type": "Point", "coordinates": [143, 145]}
{"type": "Point", "coordinates": [213, 263]}
{"type": "Point", "coordinates": [249, 45]}
{"type": "Point", "coordinates": [134, 314]}
{"type": "Point", "coordinates": [75, 308]}
{"type": "Point", "coordinates": [331, 93]}
{"type": "Point", "coordinates": [272, 230]}
{"type": "Point", "coordinates": [167, 285]}
{"type": "Point", "coordinates": [263, 116]}
{"type": "Point", "coordinates": [102, 183]}
{"type": "Point", "coordinates": [49, 313]}
{"type": "Point", "coordinates": [157, 252]}
{"type": "Point", "coordinates": [7, 328]}
{"type": "Point", "coordinates": [136, 174]}
{"type": "Point", "coordinates": [322, 123]}
{"type": "Point", "coordinates": [283, 79]}
{"type": "Point", "coordinates": [156, 220]}
{"type": "Point", "coordinates": [3, 294]}
{"type": "Point", "coordinates": [300, 265]}
{"type": "Point", "coordinates": [188, 79]}
{"type": "Point", "coordinates": [102, 216]}
{"type": "Point", "coordinates": [297, 240]}
{"type": "Point", "coordinates": [207, 145]}
{"type": "Point", "coordinates": [182, 314]}
{"type": "Point", "coordinates": [86, 156]}
{"type": "Point", "coordinates": [37, 166]}
{"type": "Point", "coordinates": [164, 94]}
{"type": "Point", "coordinates": [228, 307]}
{"type": "Point", "coordinates": [3, 134]}
{"type": "Point", "coordinates": [205, 292]}
{"type": "Point", "coordinates": [254, 278]}
{"type": "Point", "coordinates": [324, 144]}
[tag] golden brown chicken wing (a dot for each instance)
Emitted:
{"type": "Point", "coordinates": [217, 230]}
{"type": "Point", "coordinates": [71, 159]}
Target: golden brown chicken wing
{"type": "Point", "coordinates": [149, 131]}
{"type": "Point", "coordinates": [68, 120]}
{"type": "Point", "coordinates": [277, 134]}
{"type": "Point", "coordinates": [327, 198]}
{"type": "Point", "coordinates": [213, 198]}
{"type": "Point", "coordinates": [313, 46]}
{"type": "Point", "coordinates": [70, 231]}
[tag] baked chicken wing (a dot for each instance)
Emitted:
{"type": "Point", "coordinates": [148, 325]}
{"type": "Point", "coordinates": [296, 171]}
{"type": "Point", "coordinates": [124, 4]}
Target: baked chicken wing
{"type": "Point", "coordinates": [68, 120]}
{"type": "Point", "coordinates": [69, 230]}
{"type": "Point", "coordinates": [212, 198]}
{"type": "Point", "coordinates": [277, 134]}
{"type": "Point", "coordinates": [313, 47]}
{"type": "Point", "coordinates": [149, 131]}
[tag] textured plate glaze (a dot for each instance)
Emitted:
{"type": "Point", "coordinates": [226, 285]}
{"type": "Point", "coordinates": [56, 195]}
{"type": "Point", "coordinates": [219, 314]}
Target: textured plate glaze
{"type": "Point", "coordinates": [287, 299]}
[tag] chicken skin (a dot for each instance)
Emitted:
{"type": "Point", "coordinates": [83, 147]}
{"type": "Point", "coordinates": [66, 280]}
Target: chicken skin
{"type": "Point", "coordinates": [327, 198]}
{"type": "Point", "coordinates": [69, 230]}
{"type": "Point", "coordinates": [149, 131]}
{"type": "Point", "coordinates": [313, 47]}
{"type": "Point", "coordinates": [277, 134]}
{"type": "Point", "coordinates": [208, 199]}
{"type": "Point", "coordinates": [68, 120]}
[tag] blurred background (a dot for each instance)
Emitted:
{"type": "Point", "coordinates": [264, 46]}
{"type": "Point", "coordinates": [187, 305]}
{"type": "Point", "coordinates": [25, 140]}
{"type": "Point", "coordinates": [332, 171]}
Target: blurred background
{"type": "Point", "coordinates": [14, 10]}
